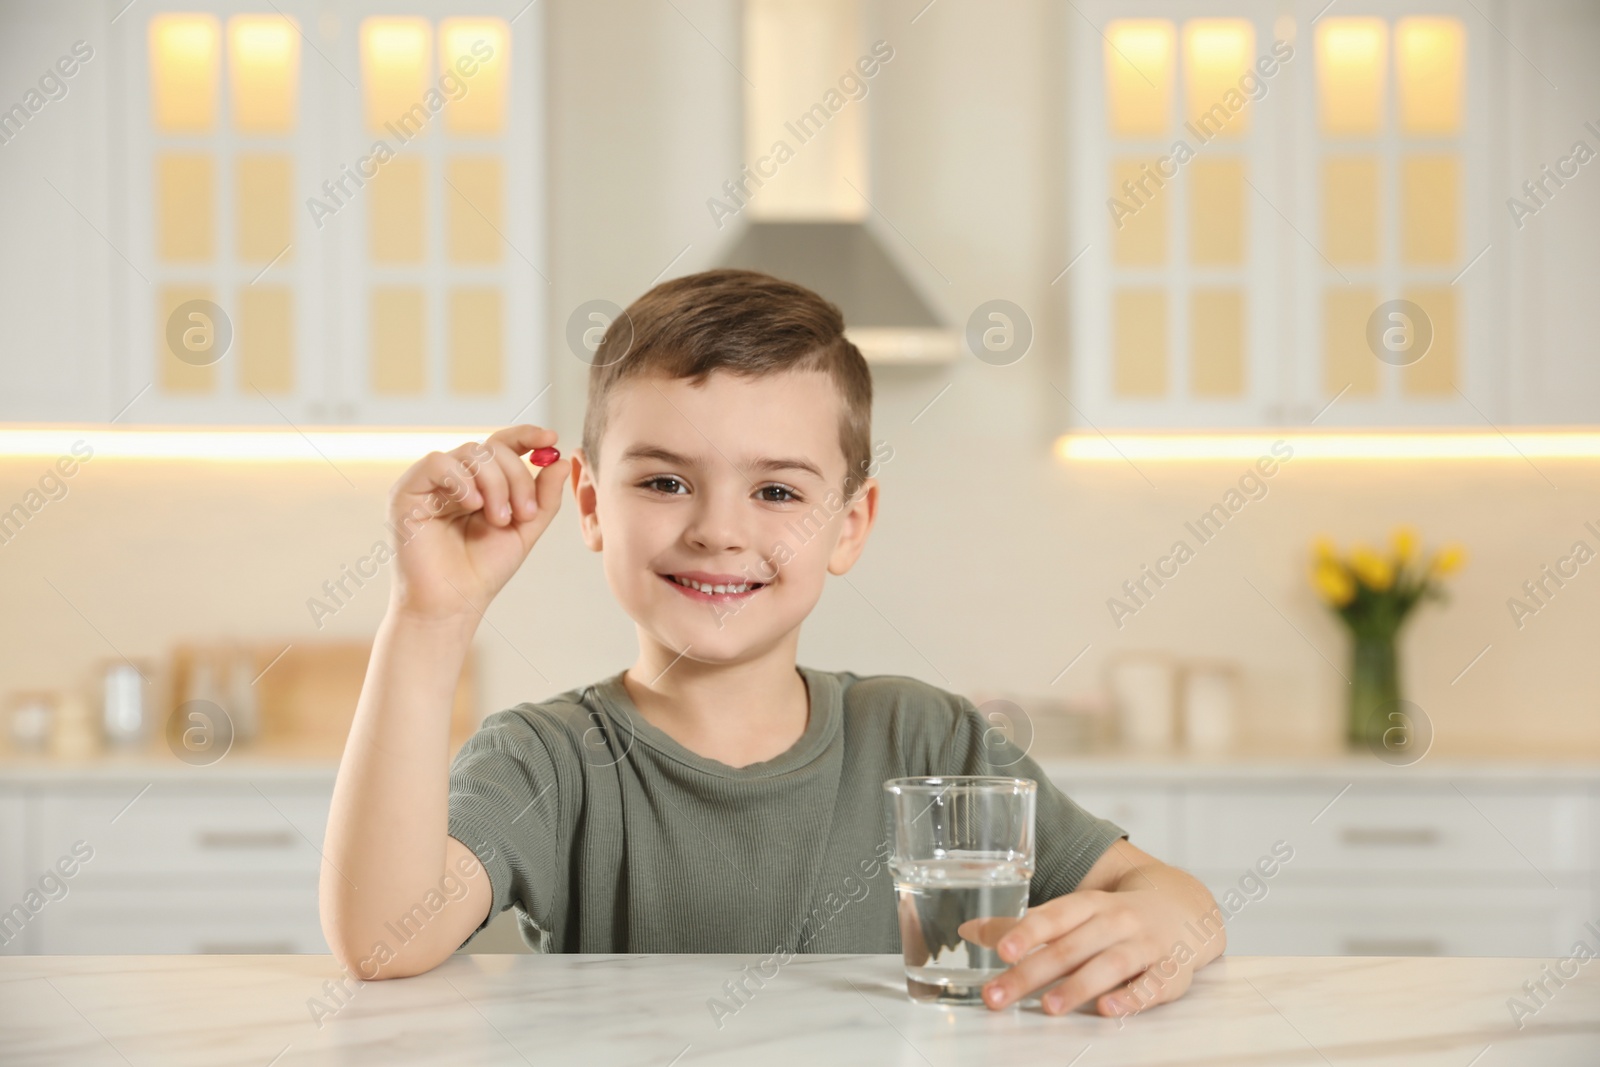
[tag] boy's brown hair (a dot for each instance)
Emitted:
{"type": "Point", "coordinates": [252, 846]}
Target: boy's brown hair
{"type": "Point", "coordinates": [739, 321]}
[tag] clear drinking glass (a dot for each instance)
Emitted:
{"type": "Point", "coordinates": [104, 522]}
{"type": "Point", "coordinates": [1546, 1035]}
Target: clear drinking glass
{"type": "Point", "coordinates": [963, 849]}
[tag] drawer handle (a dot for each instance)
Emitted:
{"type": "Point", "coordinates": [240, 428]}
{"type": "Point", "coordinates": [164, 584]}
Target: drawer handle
{"type": "Point", "coordinates": [1393, 946]}
{"type": "Point", "coordinates": [220, 839]}
{"type": "Point", "coordinates": [1389, 835]}
{"type": "Point", "coordinates": [245, 948]}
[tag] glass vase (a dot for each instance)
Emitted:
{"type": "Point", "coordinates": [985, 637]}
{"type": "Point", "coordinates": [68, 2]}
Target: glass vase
{"type": "Point", "coordinates": [1374, 687]}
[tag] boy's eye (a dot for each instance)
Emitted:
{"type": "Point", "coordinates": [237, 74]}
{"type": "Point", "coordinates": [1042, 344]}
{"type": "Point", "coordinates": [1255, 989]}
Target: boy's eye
{"type": "Point", "coordinates": [786, 496]}
{"type": "Point", "coordinates": [664, 480]}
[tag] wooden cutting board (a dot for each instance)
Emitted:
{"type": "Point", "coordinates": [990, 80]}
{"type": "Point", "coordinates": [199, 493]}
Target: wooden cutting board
{"type": "Point", "coordinates": [306, 692]}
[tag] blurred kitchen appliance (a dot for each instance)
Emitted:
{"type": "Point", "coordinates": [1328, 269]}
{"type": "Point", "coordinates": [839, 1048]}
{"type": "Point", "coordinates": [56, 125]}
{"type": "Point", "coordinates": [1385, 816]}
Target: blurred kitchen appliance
{"type": "Point", "coordinates": [124, 703]}
{"type": "Point", "coordinates": [77, 733]}
{"type": "Point", "coordinates": [1048, 724]}
{"type": "Point", "coordinates": [30, 719]}
{"type": "Point", "coordinates": [1143, 688]}
{"type": "Point", "coordinates": [1210, 703]}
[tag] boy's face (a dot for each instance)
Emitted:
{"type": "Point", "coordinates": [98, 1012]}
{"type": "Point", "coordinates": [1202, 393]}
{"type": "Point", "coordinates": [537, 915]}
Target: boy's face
{"type": "Point", "coordinates": [734, 482]}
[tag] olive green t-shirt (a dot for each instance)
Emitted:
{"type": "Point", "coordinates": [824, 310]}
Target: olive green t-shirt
{"type": "Point", "coordinates": [609, 836]}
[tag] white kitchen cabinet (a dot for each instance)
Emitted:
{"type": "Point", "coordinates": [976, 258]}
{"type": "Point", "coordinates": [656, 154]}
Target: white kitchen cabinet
{"type": "Point", "coordinates": [180, 829]}
{"type": "Point", "coordinates": [1244, 255]}
{"type": "Point", "coordinates": [1445, 861]}
{"type": "Point", "coordinates": [55, 265]}
{"type": "Point", "coordinates": [1376, 829]}
{"type": "Point", "coordinates": [1379, 918]}
{"type": "Point", "coordinates": [185, 862]}
{"type": "Point", "coordinates": [231, 155]}
{"type": "Point", "coordinates": [1552, 257]}
{"type": "Point", "coordinates": [179, 863]}
{"type": "Point", "coordinates": [186, 914]}
{"type": "Point", "coordinates": [377, 253]}
{"type": "Point", "coordinates": [1483, 860]}
{"type": "Point", "coordinates": [1149, 815]}
{"type": "Point", "coordinates": [14, 869]}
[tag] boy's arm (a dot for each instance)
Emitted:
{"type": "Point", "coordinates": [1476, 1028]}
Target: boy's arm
{"type": "Point", "coordinates": [1123, 938]}
{"type": "Point", "coordinates": [387, 845]}
{"type": "Point", "coordinates": [463, 523]}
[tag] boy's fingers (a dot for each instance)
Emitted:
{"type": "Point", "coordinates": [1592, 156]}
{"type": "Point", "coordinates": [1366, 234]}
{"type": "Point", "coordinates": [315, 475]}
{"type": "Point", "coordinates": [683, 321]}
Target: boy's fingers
{"type": "Point", "coordinates": [1144, 989]}
{"type": "Point", "coordinates": [444, 476]}
{"type": "Point", "coordinates": [479, 458]}
{"type": "Point", "coordinates": [987, 931]}
{"type": "Point", "coordinates": [547, 490]}
{"type": "Point", "coordinates": [548, 485]}
{"type": "Point", "coordinates": [1105, 972]}
{"type": "Point", "coordinates": [523, 437]}
{"type": "Point", "coordinates": [1062, 956]}
{"type": "Point", "coordinates": [519, 480]}
{"type": "Point", "coordinates": [1050, 921]}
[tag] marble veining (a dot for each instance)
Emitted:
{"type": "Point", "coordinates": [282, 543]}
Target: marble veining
{"type": "Point", "coordinates": [600, 1011]}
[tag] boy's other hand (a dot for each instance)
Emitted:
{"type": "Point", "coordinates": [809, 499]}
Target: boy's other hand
{"type": "Point", "coordinates": [1098, 941]}
{"type": "Point", "coordinates": [464, 521]}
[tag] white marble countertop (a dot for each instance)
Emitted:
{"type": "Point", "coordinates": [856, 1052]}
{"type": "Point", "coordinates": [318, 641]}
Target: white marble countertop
{"type": "Point", "coordinates": [602, 1010]}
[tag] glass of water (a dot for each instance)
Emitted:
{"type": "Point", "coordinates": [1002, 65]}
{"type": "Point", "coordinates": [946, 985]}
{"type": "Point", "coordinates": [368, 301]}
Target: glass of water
{"type": "Point", "coordinates": [963, 849]}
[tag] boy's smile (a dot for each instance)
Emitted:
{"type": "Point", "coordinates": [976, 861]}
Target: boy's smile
{"type": "Point", "coordinates": [713, 588]}
{"type": "Point", "coordinates": [718, 508]}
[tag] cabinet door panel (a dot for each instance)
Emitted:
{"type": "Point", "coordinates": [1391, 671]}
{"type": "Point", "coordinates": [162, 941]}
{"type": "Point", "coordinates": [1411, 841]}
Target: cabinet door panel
{"type": "Point", "coordinates": [181, 829]}
{"type": "Point", "coordinates": [235, 916]}
{"type": "Point", "coordinates": [15, 872]}
{"type": "Point", "coordinates": [1528, 834]}
{"type": "Point", "coordinates": [1144, 812]}
{"type": "Point", "coordinates": [1406, 920]}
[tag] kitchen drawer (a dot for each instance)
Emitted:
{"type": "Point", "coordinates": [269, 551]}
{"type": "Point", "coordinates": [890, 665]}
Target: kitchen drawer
{"type": "Point", "coordinates": [239, 918]}
{"type": "Point", "coordinates": [1402, 921]}
{"type": "Point", "coordinates": [1145, 812]}
{"type": "Point", "coordinates": [15, 873]}
{"type": "Point", "coordinates": [1376, 828]}
{"type": "Point", "coordinates": [184, 829]}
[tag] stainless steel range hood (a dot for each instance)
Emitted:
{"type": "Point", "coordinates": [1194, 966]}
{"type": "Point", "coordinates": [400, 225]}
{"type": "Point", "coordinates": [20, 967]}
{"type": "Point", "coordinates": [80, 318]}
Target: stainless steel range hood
{"type": "Point", "coordinates": [802, 196]}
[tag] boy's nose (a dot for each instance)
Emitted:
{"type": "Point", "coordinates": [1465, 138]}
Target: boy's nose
{"type": "Point", "coordinates": [717, 524]}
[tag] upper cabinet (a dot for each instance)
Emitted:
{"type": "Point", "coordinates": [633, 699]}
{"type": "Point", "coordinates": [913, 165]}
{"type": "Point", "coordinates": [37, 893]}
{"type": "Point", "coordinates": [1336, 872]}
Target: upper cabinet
{"type": "Point", "coordinates": [335, 212]}
{"type": "Point", "coordinates": [1291, 213]}
{"type": "Point", "coordinates": [1369, 213]}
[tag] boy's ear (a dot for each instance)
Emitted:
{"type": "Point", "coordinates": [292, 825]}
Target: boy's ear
{"type": "Point", "coordinates": [587, 497]}
{"type": "Point", "coordinates": [855, 524]}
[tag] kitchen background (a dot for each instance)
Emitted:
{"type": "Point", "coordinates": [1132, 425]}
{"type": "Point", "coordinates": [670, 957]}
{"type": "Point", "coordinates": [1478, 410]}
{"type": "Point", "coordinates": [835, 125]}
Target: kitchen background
{"type": "Point", "coordinates": [588, 161]}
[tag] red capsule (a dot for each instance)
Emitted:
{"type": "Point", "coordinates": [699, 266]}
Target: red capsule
{"type": "Point", "coordinates": [543, 457]}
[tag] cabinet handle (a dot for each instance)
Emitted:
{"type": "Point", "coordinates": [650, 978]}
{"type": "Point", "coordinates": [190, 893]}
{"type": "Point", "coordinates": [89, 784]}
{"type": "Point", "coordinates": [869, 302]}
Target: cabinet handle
{"type": "Point", "coordinates": [219, 839]}
{"type": "Point", "coordinates": [1393, 946]}
{"type": "Point", "coordinates": [1389, 835]}
{"type": "Point", "coordinates": [245, 948]}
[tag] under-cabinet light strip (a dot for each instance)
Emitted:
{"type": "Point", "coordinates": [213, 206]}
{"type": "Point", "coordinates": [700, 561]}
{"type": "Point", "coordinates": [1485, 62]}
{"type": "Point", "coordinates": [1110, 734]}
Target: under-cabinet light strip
{"type": "Point", "coordinates": [1351, 445]}
{"type": "Point", "coordinates": [235, 444]}
{"type": "Point", "coordinates": [376, 445]}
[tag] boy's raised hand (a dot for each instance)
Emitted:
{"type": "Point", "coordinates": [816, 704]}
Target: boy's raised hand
{"type": "Point", "coordinates": [464, 521]}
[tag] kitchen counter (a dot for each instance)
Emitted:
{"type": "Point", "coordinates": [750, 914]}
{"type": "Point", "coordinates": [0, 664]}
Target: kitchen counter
{"type": "Point", "coordinates": [143, 767]}
{"type": "Point", "coordinates": [603, 1010]}
{"type": "Point", "coordinates": [1308, 765]}
{"type": "Point", "coordinates": [1572, 765]}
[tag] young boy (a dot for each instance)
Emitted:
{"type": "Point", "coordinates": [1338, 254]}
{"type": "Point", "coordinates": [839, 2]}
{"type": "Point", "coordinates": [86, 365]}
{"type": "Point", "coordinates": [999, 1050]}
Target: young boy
{"type": "Point", "coordinates": [715, 796]}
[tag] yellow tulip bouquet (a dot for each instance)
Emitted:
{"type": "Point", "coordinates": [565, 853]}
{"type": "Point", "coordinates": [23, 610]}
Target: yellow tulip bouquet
{"type": "Point", "coordinates": [1373, 593]}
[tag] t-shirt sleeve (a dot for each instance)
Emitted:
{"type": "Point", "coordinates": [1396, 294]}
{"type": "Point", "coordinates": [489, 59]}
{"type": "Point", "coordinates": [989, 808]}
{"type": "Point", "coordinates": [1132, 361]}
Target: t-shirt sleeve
{"type": "Point", "coordinates": [505, 805]}
{"type": "Point", "coordinates": [1067, 839]}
